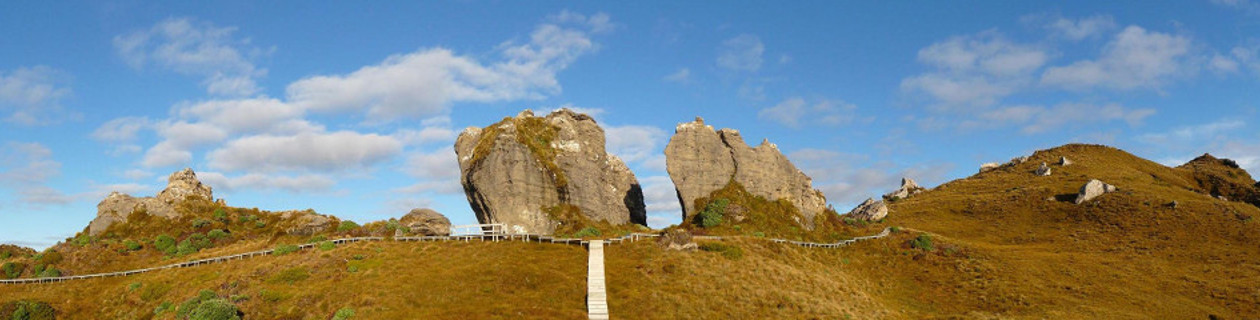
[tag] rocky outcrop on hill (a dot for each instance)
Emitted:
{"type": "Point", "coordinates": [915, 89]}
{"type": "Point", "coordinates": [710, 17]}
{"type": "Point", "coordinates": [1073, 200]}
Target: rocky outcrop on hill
{"type": "Point", "coordinates": [426, 222]}
{"type": "Point", "coordinates": [1093, 189]}
{"type": "Point", "coordinates": [305, 222]}
{"type": "Point", "coordinates": [1043, 170]}
{"type": "Point", "coordinates": [677, 239]}
{"type": "Point", "coordinates": [701, 160]}
{"type": "Point", "coordinates": [989, 166]}
{"type": "Point", "coordinates": [869, 210]}
{"type": "Point", "coordinates": [1222, 178]}
{"type": "Point", "coordinates": [517, 170]}
{"type": "Point", "coordinates": [907, 189]}
{"type": "Point", "coordinates": [116, 207]}
{"type": "Point", "coordinates": [1063, 161]}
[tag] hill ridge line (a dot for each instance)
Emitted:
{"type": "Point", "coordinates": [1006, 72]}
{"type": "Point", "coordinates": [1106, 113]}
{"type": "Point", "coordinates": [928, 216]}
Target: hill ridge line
{"type": "Point", "coordinates": [494, 238]}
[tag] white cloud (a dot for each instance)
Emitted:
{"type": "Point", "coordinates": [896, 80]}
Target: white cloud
{"type": "Point", "coordinates": [136, 174]}
{"type": "Point", "coordinates": [794, 112]}
{"type": "Point", "coordinates": [681, 76]}
{"type": "Point", "coordinates": [26, 169]}
{"type": "Point", "coordinates": [1192, 134]}
{"type": "Point", "coordinates": [335, 151]}
{"type": "Point", "coordinates": [299, 183]}
{"type": "Point", "coordinates": [741, 53]}
{"type": "Point", "coordinates": [439, 164]}
{"type": "Point", "coordinates": [32, 96]}
{"type": "Point", "coordinates": [1135, 58]}
{"type": "Point", "coordinates": [974, 70]}
{"type": "Point", "coordinates": [227, 64]}
{"type": "Point", "coordinates": [661, 199]}
{"type": "Point", "coordinates": [120, 129]}
{"type": "Point", "coordinates": [425, 82]}
{"type": "Point", "coordinates": [598, 23]}
{"type": "Point", "coordinates": [180, 138]}
{"type": "Point", "coordinates": [1090, 27]}
{"type": "Point", "coordinates": [1038, 119]}
{"type": "Point", "coordinates": [634, 143]}
{"type": "Point", "coordinates": [256, 115]}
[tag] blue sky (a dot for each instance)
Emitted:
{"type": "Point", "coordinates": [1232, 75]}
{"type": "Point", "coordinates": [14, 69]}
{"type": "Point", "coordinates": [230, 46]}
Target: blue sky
{"type": "Point", "coordinates": [351, 109]}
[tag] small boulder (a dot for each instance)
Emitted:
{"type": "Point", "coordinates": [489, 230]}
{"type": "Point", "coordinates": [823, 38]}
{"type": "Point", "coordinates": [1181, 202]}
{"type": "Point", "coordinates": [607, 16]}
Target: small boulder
{"type": "Point", "coordinates": [1043, 170]}
{"type": "Point", "coordinates": [989, 166]}
{"type": "Point", "coordinates": [1172, 205]}
{"type": "Point", "coordinates": [1018, 160]}
{"type": "Point", "coordinates": [869, 210]}
{"type": "Point", "coordinates": [677, 239]}
{"type": "Point", "coordinates": [1063, 161]}
{"type": "Point", "coordinates": [907, 189]}
{"type": "Point", "coordinates": [426, 222]}
{"type": "Point", "coordinates": [1093, 189]}
{"type": "Point", "coordinates": [305, 223]}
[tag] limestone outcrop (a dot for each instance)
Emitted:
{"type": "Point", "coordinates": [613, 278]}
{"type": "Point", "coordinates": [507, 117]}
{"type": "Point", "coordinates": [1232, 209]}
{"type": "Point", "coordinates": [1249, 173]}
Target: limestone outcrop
{"type": "Point", "coordinates": [426, 222]}
{"type": "Point", "coordinates": [116, 207]}
{"type": "Point", "coordinates": [1093, 189]}
{"type": "Point", "coordinates": [522, 170]}
{"type": "Point", "coordinates": [1043, 170]}
{"type": "Point", "coordinates": [869, 210]}
{"type": "Point", "coordinates": [989, 166]}
{"type": "Point", "coordinates": [305, 222]}
{"type": "Point", "coordinates": [907, 189]}
{"type": "Point", "coordinates": [701, 160]}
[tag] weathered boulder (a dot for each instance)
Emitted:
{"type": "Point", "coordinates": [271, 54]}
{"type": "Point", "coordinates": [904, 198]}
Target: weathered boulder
{"type": "Point", "coordinates": [869, 210]}
{"type": "Point", "coordinates": [182, 184]}
{"type": "Point", "coordinates": [701, 160]}
{"type": "Point", "coordinates": [1093, 189]}
{"type": "Point", "coordinates": [1043, 170]}
{"type": "Point", "coordinates": [907, 189]}
{"type": "Point", "coordinates": [677, 239]}
{"type": "Point", "coordinates": [1063, 161]}
{"type": "Point", "coordinates": [518, 170]}
{"type": "Point", "coordinates": [989, 166]}
{"type": "Point", "coordinates": [305, 222]}
{"type": "Point", "coordinates": [116, 207]}
{"type": "Point", "coordinates": [426, 222]}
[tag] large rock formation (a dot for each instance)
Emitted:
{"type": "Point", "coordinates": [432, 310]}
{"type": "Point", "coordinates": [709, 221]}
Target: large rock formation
{"type": "Point", "coordinates": [426, 222]}
{"type": "Point", "coordinates": [304, 222]}
{"type": "Point", "coordinates": [514, 172]}
{"type": "Point", "coordinates": [1093, 189]}
{"type": "Point", "coordinates": [117, 206]}
{"type": "Point", "coordinates": [701, 160]}
{"type": "Point", "coordinates": [869, 210]}
{"type": "Point", "coordinates": [1222, 178]}
{"type": "Point", "coordinates": [907, 189]}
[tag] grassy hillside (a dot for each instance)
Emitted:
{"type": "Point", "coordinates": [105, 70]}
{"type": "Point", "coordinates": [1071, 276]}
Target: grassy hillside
{"type": "Point", "coordinates": [1000, 244]}
{"type": "Point", "coordinates": [377, 280]}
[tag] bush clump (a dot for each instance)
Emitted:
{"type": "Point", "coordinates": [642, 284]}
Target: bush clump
{"type": "Point", "coordinates": [221, 215]}
{"type": "Point", "coordinates": [347, 226]}
{"type": "Point", "coordinates": [192, 244]}
{"type": "Point", "coordinates": [217, 234]}
{"type": "Point", "coordinates": [284, 249]}
{"type": "Point", "coordinates": [165, 244]}
{"type": "Point", "coordinates": [200, 223]}
{"type": "Point", "coordinates": [12, 270]}
{"type": "Point", "coordinates": [327, 245]}
{"type": "Point", "coordinates": [922, 242]}
{"type": "Point", "coordinates": [711, 216]}
{"type": "Point", "coordinates": [729, 251]}
{"type": "Point", "coordinates": [207, 306]}
{"type": "Point", "coordinates": [343, 314]}
{"type": "Point", "coordinates": [132, 245]}
{"type": "Point", "coordinates": [27, 310]}
{"type": "Point", "coordinates": [587, 232]}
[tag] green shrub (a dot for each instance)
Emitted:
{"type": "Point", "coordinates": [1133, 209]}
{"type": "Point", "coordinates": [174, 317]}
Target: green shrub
{"type": "Point", "coordinates": [922, 242]}
{"type": "Point", "coordinates": [358, 257]}
{"type": "Point", "coordinates": [165, 244]}
{"type": "Point", "coordinates": [50, 272]}
{"type": "Point", "coordinates": [711, 216]}
{"type": "Point", "coordinates": [284, 249]}
{"type": "Point", "coordinates": [200, 223]}
{"type": "Point", "coordinates": [215, 309]}
{"type": "Point", "coordinates": [221, 215]}
{"type": "Point", "coordinates": [132, 245]}
{"type": "Point", "coordinates": [49, 257]}
{"type": "Point", "coordinates": [587, 232]}
{"type": "Point", "coordinates": [259, 224]}
{"type": "Point", "coordinates": [82, 240]}
{"type": "Point", "coordinates": [343, 314]}
{"type": "Point", "coordinates": [318, 238]}
{"type": "Point", "coordinates": [5, 255]}
{"type": "Point", "coordinates": [39, 268]}
{"type": "Point", "coordinates": [352, 269]}
{"type": "Point", "coordinates": [247, 218]}
{"type": "Point", "coordinates": [133, 286]}
{"type": "Point", "coordinates": [240, 297]}
{"type": "Point", "coordinates": [327, 245]}
{"type": "Point", "coordinates": [217, 234]}
{"type": "Point", "coordinates": [28, 310]}
{"type": "Point", "coordinates": [347, 226]}
{"type": "Point", "coordinates": [729, 251]}
{"type": "Point", "coordinates": [759, 234]}
{"type": "Point", "coordinates": [12, 270]}
{"type": "Point", "coordinates": [894, 229]}
{"type": "Point", "coordinates": [164, 307]}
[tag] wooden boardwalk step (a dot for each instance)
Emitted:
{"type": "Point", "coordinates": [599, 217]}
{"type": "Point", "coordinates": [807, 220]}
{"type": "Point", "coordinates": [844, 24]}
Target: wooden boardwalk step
{"type": "Point", "coordinates": [596, 292]}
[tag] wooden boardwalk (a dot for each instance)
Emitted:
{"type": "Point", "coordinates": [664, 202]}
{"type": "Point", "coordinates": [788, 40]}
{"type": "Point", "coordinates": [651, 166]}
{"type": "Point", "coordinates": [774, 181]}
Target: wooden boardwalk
{"type": "Point", "coordinates": [596, 293]}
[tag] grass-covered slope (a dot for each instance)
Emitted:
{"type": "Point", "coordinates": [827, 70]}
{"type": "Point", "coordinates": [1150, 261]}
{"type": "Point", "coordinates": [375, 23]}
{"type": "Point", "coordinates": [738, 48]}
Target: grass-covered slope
{"type": "Point", "coordinates": [1128, 254]}
{"type": "Point", "coordinates": [377, 280]}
